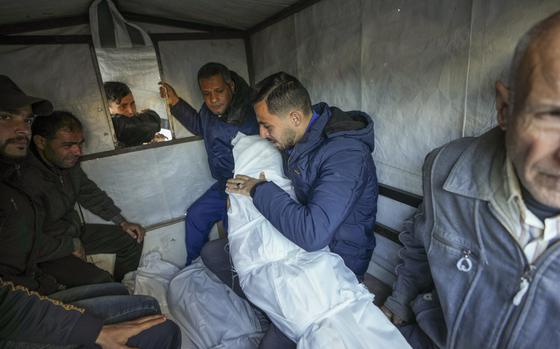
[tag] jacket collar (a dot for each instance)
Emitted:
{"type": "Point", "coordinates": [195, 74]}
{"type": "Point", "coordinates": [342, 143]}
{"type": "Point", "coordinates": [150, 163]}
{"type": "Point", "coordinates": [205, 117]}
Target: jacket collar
{"type": "Point", "coordinates": [474, 173]}
{"type": "Point", "coordinates": [314, 135]}
{"type": "Point", "coordinates": [34, 160]}
{"type": "Point", "coordinates": [8, 169]}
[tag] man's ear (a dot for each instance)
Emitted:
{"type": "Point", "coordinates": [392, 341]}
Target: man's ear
{"type": "Point", "coordinates": [295, 117]}
{"type": "Point", "coordinates": [502, 104]}
{"type": "Point", "coordinates": [40, 142]}
{"type": "Point", "coordinates": [232, 86]}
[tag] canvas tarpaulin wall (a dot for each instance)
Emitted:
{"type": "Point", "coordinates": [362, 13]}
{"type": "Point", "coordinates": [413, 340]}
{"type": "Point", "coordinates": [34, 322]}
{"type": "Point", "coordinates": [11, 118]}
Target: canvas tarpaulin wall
{"type": "Point", "coordinates": [154, 185]}
{"type": "Point", "coordinates": [424, 70]}
{"type": "Point", "coordinates": [65, 75]}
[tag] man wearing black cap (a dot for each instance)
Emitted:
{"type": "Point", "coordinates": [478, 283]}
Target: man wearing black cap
{"type": "Point", "coordinates": [18, 229]}
{"type": "Point", "coordinates": [28, 319]}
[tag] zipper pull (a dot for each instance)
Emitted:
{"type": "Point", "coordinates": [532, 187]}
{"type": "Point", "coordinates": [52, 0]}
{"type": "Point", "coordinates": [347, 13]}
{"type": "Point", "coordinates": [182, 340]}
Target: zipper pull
{"type": "Point", "coordinates": [464, 264]}
{"type": "Point", "coordinates": [14, 203]}
{"type": "Point", "coordinates": [61, 179]}
{"type": "Point", "coordinates": [523, 285]}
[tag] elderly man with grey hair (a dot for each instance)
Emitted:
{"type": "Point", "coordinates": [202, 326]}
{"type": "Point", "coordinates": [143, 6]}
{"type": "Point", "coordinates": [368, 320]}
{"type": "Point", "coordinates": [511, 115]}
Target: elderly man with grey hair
{"type": "Point", "coordinates": [481, 261]}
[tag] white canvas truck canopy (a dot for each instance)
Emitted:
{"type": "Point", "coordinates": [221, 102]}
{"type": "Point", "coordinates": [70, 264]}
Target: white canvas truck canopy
{"type": "Point", "coordinates": [423, 70]}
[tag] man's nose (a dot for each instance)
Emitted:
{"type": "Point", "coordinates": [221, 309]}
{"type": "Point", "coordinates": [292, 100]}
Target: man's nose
{"type": "Point", "coordinates": [263, 132]}
{"type": "Point", "coordinates": [129, 111]}
{"type": "Point", "coordinates": [77, 150]}
{"type": "Point", "coordinates": [213, 97]}
{"type": "Point", "coordinates": [23, 127]}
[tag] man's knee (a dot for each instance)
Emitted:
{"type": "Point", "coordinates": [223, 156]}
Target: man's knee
{"type": "Point", "coordinates": [165, 336]}
{"type": "Point", "coordinates": [100, 276]}
{"type": "Point", "coordinates": [214, 253]}
{"type": "Point", "coordinates": [275, 339]}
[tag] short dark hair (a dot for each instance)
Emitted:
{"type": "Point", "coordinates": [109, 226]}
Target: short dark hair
{"type": "Point", "coordinates": [281, 92]}
{"type": "Point", "coordinates": [47, 126]}
{"type": "Point", "coordinates": [116, 90]}
{"type": "Point", "coordinates": [212, 69]}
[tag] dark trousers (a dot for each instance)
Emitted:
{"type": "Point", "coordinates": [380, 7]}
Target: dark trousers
{"type": "Point", "coordinates": [96, 238]}
{"type": "Point", "coordinates": [215, 255]}
{"type": "Point", "coordinates": [208, 209]}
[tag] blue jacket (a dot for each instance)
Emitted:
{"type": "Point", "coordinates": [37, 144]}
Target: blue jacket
{"type": "Point", "coordinates": [483, 303]}
{"type": "Point", "coordinates": [218, 132]}
{"type": "Point", "coordinates": [334, 178]}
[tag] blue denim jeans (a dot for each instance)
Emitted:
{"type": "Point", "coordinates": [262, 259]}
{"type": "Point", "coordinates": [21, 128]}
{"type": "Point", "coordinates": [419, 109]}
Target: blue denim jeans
{"type": "Point", "coordinates": [111, 302]}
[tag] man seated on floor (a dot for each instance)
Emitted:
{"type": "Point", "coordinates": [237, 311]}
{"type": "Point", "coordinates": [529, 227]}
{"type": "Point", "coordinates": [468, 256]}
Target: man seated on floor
{"type": "Point", "coordinates": [480, 266]}
{"type": "Point", "coordinates": [131, 128]}
{"type": "Point", "coordinates": [27, 318]}
{"type": "Point", "coordinates": [55, 178]}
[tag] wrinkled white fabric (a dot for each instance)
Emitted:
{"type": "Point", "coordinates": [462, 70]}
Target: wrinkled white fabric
{"type": "Point", "coordinates": [153, 277]}
{"type": "Point", "coordinates": [209, 313]}
{"type": "Point", "coordinates": [312, 297]}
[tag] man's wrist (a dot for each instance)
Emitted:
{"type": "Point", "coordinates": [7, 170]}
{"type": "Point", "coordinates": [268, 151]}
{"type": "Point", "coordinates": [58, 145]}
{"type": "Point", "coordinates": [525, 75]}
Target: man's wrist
{"type": "Point", "coordinates": [77, 244]}
{"type": "Point", "coordinates": [254, 188]}
{"type": "Point", "coordinates": [118, 219]}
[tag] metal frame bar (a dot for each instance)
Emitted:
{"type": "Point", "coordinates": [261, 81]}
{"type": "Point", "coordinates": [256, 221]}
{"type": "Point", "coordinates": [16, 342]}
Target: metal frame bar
{"type": "Point", "coordinates": [399, 195]}
{"type": "Point", "coordinates": [44, 39]}
{"type": "Point", "coordinates": [387, 232]}
{"type": "Point", "coordinates": [119, 151]}
{"type": "Point", "coordinates": [249, 56]}
{"type": "Point", "coordinates": [52, 23]}
{"type": "Point", "coordinates": [196, 36]}
{"type": "Point", "coordinates": [136, 17]}
{"type": "Point", "coordinates": [285, 13]}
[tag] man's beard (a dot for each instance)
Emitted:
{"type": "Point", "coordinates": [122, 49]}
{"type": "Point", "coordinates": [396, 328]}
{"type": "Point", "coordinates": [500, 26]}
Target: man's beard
{"type": "Point", "coordinates": [10, 158]}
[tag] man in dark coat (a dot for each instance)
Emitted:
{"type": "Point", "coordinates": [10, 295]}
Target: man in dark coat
{"type": "Point", "coordinates": [30, 319]}
{"type": "Point", "coordinates": [226, 111]}
{"type": "Point", "coordinates": [58, 183]}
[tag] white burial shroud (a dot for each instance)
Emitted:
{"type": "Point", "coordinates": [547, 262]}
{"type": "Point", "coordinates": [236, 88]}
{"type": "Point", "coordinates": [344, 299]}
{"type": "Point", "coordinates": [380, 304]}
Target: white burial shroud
{"type": "Point", "coordinates": [312, 297]}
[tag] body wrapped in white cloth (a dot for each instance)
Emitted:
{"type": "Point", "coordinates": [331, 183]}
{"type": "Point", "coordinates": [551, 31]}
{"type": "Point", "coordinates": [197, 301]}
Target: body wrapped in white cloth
{"type": "Point", "coordinates": [312, 297]}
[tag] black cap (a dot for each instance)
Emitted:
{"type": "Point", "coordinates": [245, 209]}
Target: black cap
{"type": "Point", "coordinates": [12, 97]}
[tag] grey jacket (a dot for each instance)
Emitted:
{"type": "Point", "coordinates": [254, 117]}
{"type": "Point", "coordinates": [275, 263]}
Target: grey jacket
{"type": "Point", "coordinates": [458, 247]}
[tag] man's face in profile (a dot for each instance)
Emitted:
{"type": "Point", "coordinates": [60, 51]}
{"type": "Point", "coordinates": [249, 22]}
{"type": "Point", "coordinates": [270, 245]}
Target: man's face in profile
{"type": "Point", "coordinates": [276, 129]}
{"type": "Point", "coordinates": [533, 133]}
{"type": "Point", "coordinates": [217, 93]}
{"type": "Point", "coordinates": [126, 106]}
{"type": "Point", "coordinates": [15, 132]}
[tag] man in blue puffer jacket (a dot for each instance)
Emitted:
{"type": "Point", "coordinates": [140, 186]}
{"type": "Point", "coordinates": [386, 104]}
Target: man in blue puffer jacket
{"type": "Point", "coordinates": [226, 111]}
{"type": "Point", "coordinates": [327, 156]}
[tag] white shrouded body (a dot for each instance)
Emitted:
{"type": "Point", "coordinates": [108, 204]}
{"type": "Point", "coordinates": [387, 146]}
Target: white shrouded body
{"type": "Point", "coordinates": [312, 297]}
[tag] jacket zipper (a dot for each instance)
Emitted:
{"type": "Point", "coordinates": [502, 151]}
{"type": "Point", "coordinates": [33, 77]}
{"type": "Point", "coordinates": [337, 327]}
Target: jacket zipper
{"type": "Point", "coordinates": [519, 300]}
{"type": "Point", "coordinates": [524, 284]}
